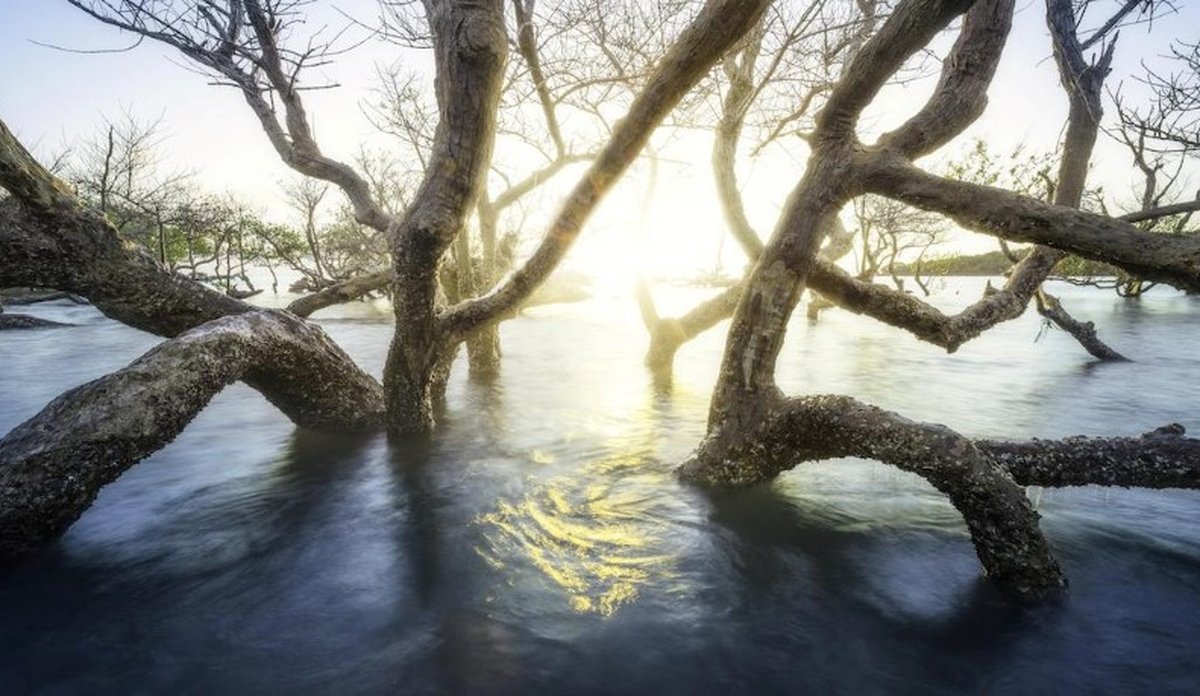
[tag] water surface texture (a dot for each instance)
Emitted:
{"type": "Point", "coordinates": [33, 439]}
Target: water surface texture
{"type": "Point", "coordinates": [540, 544]}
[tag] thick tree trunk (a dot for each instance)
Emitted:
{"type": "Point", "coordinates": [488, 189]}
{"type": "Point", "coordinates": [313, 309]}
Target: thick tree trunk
{"type": "Point", "coordinates": [1002, 523]}
{"type": "Point", "coordinates": [483, 352]}
{"type": "Point", "coordinates": [75, 250]}
{"type": "Point", "coordinates": [753, 432]}
{"type": "Point", "coordinates": [470, 48]}
{"type": "Point", "coordinates": [982, 478]}
{"type": "Point", "coordinates": [51, 241]}
{"type": "Point", "coordinates": [53, 465]}
{"type": "Point", "coordinates": [483, 346]}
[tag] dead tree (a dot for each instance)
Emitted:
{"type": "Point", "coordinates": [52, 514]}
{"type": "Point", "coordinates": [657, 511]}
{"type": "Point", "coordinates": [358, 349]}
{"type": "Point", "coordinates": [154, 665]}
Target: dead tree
{"type": "Point", "coordinates": [240, 41]}
{"type": "Point", "coordinates": [754, 431]}
{"type": "Point", "coordinates": [52, 466]}
{"type": "Point", "coordinates": [771, 85]}
{"type": "Point", "coordinates": [1083, 83]}
{"type": "Point", "coordinates": [55, 463]}
{"type": "Point", "coordinates": [591, 57]}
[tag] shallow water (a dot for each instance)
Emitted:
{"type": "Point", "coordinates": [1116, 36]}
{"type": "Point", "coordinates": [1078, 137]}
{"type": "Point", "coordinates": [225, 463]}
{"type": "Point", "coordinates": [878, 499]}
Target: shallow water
{"type": "Point", "coordinates": [541, 544]}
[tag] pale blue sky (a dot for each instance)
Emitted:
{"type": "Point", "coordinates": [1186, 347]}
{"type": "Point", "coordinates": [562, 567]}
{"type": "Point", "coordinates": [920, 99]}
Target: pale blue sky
{"type": "Point", "coordinates": [49, 97]}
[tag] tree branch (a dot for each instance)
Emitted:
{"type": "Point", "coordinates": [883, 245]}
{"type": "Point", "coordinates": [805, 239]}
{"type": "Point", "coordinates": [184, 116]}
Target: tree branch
{"type": "Point", "coordinates": [961, 93]}
{"type": "Point", "coordinates": [1172, 259]}
{"type": "Point", "coordinates": [718, 26]}
{"type": "Point", "coordinates": [910, 27]}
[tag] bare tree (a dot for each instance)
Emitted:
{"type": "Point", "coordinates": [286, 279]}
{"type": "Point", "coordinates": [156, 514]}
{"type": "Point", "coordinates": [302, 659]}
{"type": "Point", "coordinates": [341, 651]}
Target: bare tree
{"type": "Point", "coordinates": [771, 86]}
{"type": "Point", "coordinates": [755, 432]}
{"type": "Point", "coordinates": [52, 468]}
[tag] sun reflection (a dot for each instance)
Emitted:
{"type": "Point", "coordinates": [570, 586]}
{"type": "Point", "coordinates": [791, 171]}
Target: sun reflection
{"type": "Point", "coordinates": [595, 534]}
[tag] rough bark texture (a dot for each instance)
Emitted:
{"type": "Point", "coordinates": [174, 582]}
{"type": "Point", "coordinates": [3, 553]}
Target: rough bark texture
{"type": "Point", "coordinates": [470, 49]}
{"type": "Point", "coordinates": [981, 477]}
{"type": "Point", "coordinates": [74, 249]}
{"type": "Point", "coordinates": [1001, 521]}
{"type": "Point", "coordinates": [1170, 259]}
{"type": "Point", "coordinates": [53, 465]}
{"type": "Point", "coordinates": [1163, 458]}
{"type": "Point", "coordinates": [51, 241]}
{"type": "Point", "coordinates": [341, 292]}
{"type": "Point", "coordinates": [754, 432]}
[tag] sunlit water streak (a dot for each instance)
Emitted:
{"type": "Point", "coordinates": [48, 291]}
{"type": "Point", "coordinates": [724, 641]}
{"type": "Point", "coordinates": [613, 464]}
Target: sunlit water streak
{"type": "Point", "coordinates": [541, 544]}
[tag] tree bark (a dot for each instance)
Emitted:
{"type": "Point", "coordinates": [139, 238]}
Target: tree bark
{"type": "Point", "coordinates": [1082, 331]}
{"type": "Point", "coordinates": [53, 465]}
{"type": "Point", "coordinates": [341, 292]}
{"type": "Point", "coordinates": [470, 48]}
{"type": "Point", "coordinates": [754, 432]}
{"type": "Point", "coordinates": [1170, 259]}
{"type": "Point", "coordinates": [1002, 523]}
{"type": "Point", "coordinates": [982, 478]}
{"type": "Point", "coordinates": [718, 26]}
{"type": "Point", "coordinates": [51, 241]}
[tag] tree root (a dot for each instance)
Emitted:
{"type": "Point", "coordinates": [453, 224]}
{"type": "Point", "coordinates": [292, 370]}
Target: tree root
{"type": "Point", "coordinates": [982, 478]}
{"type": "Point", "coordinates": [53, 465]}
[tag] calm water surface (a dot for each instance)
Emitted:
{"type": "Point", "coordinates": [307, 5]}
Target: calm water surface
{"type": "Point", "coordinates": [541, 545]}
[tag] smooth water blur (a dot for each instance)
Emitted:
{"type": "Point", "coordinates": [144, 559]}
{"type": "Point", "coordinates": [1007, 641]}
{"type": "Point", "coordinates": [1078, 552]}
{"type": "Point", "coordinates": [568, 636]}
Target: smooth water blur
{"type": "Point", "coordinates": [540, 543]}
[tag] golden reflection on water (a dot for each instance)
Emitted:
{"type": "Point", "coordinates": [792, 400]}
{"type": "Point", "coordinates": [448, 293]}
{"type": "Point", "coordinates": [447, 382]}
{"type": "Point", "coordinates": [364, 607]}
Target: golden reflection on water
{"type": "Point", "coordinates": [593, 534]}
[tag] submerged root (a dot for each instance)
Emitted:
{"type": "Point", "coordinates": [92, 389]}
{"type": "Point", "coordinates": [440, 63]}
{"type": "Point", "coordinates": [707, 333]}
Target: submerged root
{"type": "Point", "coordinates": [53, 465]}
{"type": "Point", "coordinates": [983, 479]}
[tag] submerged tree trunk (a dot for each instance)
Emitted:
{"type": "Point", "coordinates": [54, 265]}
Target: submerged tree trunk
{"type": "Point", "coordinates": [24, 321]}
{"type": "Point", "coordinates": [470, 48]}
{"type": "Point", "coordinates": [341, 292]}
{"type": "Point", "coordinates": [53, 465]}
{"type": "Point", "coordinates": [483, 346]}
{"type": "Point", "coordinates": [1082, 331]}
{"type": "Point", "coordinates": [1002, 524]}
{"type": "Point", "coordinates": [753, 431]}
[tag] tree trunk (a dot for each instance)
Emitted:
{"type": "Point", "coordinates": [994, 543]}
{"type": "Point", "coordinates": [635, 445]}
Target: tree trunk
{"type": "Point", "coordinates": [483, 346]}
{"type": "Point", "coordinates": [51, 241]}
{"type": "Point", "coordinates": [1002, 523]}
{"type": "Point", "coordinates": [53, 465]}
{"type": "Point", "coordinates": [753, 432]}
{"type": "Point", "coordinates": [24, 321]}
{"type": "Point", "coordinates": [470, 48]}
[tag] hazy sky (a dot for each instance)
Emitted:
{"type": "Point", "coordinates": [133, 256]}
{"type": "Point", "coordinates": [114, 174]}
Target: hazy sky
{"type": "Point", "coordinates": [49, 98]}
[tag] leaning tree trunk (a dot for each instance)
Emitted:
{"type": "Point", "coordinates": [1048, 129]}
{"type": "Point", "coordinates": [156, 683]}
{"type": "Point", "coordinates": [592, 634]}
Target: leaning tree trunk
{"type": "Point", "coordinates": [53, 465]}
{"type": "Point", "coordinates": [50, 240]}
